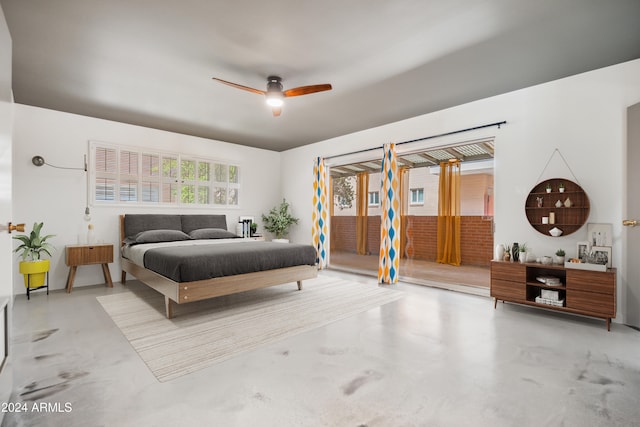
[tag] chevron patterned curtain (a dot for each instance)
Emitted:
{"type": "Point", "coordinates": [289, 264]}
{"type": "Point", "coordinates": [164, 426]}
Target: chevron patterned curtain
{"type": "Point", "coordinates": [390, 217]}
{"type": "Point", "coordinates": [321, 203]}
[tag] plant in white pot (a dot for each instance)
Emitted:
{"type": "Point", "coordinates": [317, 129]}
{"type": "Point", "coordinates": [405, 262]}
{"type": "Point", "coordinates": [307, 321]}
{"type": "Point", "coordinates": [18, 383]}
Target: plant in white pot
{"type": "Point", "coordinates": [31, 249]}
{"type": "Point", "coordinates": [560, 256]}
{"type": "Point", "coordinates": [278, 221]}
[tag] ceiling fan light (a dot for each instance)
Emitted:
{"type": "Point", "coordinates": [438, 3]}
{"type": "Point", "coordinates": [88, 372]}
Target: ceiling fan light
{"type": "Point", "coordinates": [274, 99]}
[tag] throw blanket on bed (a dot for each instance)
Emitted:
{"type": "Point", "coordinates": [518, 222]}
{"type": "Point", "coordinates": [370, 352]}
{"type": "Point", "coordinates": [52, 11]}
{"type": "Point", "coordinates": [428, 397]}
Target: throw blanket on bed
{"type": "Point", "coordinates": [199, 262]}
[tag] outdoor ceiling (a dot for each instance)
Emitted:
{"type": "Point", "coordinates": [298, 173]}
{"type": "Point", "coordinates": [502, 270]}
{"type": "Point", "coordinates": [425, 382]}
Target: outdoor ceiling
{"type": "Point", "coordinates": [469, 152]}
{"type": "Point", "coordinates": [151, 63]}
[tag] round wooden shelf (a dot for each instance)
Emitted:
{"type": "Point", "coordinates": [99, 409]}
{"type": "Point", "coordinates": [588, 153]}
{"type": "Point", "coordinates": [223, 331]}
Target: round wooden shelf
{"type": "Point", "coordinates": [567, 218]}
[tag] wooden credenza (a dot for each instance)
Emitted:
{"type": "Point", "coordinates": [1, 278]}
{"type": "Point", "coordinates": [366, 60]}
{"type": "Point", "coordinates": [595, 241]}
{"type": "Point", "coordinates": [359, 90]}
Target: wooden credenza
{"type": "Point", "coordinates": [589, 293]}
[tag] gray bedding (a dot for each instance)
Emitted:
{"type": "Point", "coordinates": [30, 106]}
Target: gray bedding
{"type": "Point", "coordinates": [191, 263]}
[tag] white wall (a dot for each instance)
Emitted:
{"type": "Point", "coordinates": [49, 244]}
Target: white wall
{"type": "Point", "coordinates": [6, 261]}
{"type": "Point", "coordinates": [57, 196]}
{"type": "Point", "coordinates": [583, 116]}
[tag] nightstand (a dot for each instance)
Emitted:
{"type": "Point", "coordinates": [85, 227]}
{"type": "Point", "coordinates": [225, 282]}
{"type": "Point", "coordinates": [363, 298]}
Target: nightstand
{"type": "Point", "coordinates": [77, 255]}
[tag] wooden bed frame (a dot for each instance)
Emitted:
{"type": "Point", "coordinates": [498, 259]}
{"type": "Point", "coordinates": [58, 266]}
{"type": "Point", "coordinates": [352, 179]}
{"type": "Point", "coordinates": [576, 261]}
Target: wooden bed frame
{"type": "Point", "coordinates": [184, 292]}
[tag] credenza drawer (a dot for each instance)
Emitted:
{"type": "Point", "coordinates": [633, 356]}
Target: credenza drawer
{"type": "Point", "coordinates": [592, 303]}
{"type": "Point", "coordinates": [509, 271]}
{"type": "Point", "coordinates": [591, 281]}
{"type": "Point", "coordinates": [505, 290]}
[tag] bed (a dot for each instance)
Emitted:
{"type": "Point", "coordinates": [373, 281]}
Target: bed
{"type": "Point", "coordinates": [193, 257]}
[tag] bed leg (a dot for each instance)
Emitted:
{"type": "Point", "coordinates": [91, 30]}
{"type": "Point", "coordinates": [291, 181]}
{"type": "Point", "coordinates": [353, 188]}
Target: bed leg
{"type": "Point", "coordinates": [299, 285]}
{"type": "Point", "coordinates": [168, 306]}
{"type": "Point", "coordinates": [123, 277]}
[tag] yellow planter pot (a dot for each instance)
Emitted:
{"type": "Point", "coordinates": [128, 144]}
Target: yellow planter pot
{"type": "Point", "coordinates": [34, 272]}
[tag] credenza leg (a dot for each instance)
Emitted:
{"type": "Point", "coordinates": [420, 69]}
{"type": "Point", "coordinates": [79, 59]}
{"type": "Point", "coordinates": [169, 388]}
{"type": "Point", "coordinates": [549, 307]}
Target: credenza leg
{"type": "Point", "coordinates": [495, 303]}
{"type": "Point", "coordinates": [608, 324]}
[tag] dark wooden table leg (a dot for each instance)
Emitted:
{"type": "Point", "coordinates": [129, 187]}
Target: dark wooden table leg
{"type": "Point", "coordinates": [107, 275]}
{"type": "Point", "coordinates": [71, 277]}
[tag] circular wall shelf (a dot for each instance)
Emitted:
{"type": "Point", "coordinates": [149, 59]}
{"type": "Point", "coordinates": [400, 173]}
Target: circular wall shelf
{"type": "Point", "coordinates": [567, 210]}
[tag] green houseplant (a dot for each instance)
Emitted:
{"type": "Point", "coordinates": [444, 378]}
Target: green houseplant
{"type": "Point", "coordinates": [31, 249]}
{"type": "Point", "coordinates": [560, 256]}
{"type": "Point", "coordinates": [278, 220]}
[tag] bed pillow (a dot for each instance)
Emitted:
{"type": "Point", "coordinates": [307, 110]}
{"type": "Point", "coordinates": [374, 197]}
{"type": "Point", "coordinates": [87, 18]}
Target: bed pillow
{"type": "Point", "coordinates": [212, 233]}
{"type": "Point", "coordinates": [157, 236]}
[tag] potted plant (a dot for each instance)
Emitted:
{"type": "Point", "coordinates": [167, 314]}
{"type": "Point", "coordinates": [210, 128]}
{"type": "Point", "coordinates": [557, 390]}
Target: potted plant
{"type": "Point", "coordinates": [32, 247]}
{"type": "Point", "coordinates": [278, 221]}
{"type": "Point", "coordinates": [548, 187]}
{"type": "Point", "coordinates": [561, 187]}
{"type": "Point", "coordinates": [253, 228]}
{"type": "Point", "coordinates": [523, 253]}
{"type": "Point", "coordinates": [560, 256]}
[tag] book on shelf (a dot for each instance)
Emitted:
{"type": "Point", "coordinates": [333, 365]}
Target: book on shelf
{"type": "Point", "coordinates": [549, 294]}
{"type": "Point", "coordinates": [559, 303]}
{"type": "Point", "coordinates": [549, 280]}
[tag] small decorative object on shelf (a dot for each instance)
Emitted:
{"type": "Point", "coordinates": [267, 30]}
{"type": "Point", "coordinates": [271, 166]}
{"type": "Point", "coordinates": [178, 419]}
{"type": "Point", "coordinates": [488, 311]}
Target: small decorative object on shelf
{"type": "Point", "coordinates": [523, 253]}
{"type": "Point", "coordinates": [549, 188]}
{"type": "Point", "coordinates": [555, 232]}
{"type": "Point", "coordinates": [560, 256]}
{"type": "Point", "coordinates": [499, 252]}
{"type": "Point", "coordinates": [515, 252]}
{"type": "Point", "coordinates": [561, 187]}
{"type": "Point", "coordinates": [539, 201]}
{"type": "Point", "coordinates": [552, 218]}
{"type": "Point", "coordinates": [559, 204]}
{"type": "Point", "coordinates": [567, 203]}
{"type": "Point", "coordinates": [507, 253]}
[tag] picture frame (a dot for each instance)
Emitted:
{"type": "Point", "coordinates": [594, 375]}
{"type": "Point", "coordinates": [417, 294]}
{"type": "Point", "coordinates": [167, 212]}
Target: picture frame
{"type": "Point", "coordinates": [600, 234]}
{"type": "Point", "coordinates": [599, 253]}
{"type": "Point", "coordinates": [582, 249]}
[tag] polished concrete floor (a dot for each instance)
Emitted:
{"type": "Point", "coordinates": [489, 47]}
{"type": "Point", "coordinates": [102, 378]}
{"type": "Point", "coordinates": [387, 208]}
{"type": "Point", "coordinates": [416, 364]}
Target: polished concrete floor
{"type": "Point", "coordinates": [432, 358]}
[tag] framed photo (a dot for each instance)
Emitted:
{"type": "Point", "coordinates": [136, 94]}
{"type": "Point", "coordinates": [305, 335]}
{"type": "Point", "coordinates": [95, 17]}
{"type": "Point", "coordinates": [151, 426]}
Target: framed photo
{"type": "Point", "coordinates": [601, 255]}
{"type": "Point", "coordinates": [583, 249]}
{"type": "Point", "coordinates": [600, 234]}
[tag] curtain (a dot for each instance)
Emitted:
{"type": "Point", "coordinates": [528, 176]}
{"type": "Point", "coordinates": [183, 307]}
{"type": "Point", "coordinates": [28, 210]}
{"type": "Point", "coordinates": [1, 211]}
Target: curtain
{"type": "Point", "coordinates": [404, 196]}
{"type": "Point", "coordinates": [319, 218]}
{"type": "Point", "coordinates": [390, 217]}
{"type": "Point", "coordinates": [362, 212]}
{"type": "Point", "coordinates": [448, 248]}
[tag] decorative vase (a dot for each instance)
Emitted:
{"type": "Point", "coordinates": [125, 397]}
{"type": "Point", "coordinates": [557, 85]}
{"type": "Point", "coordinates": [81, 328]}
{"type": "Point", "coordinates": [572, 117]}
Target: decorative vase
{"type": "Point", "coordinates": [559, 260]}
{"type": "Point", "coordinates": [515, 252]}
{"type": "Point", "coordinates": [499, 252]}
{"type": "Point", "coordinates": [523, 257]}
{"type": "Point", "coordinates": [506, 256]}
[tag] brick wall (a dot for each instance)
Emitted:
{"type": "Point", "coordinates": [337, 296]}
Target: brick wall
{"type": "Point", "coordinates": [476, 243]}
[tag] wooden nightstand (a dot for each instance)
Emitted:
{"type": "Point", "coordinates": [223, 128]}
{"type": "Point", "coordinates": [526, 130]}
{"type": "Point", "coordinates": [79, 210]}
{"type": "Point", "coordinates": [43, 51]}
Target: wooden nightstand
{"type": "Point", "coordinates": [86, 255]}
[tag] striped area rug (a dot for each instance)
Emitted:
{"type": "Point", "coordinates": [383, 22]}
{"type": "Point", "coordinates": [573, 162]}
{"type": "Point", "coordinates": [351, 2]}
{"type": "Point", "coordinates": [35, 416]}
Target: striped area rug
{"type": "Point", "coordinates": [206, 332]}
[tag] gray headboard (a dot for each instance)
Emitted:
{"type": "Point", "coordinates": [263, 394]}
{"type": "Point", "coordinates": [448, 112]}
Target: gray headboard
{"type": "Point", "coordinates": [134, 223]}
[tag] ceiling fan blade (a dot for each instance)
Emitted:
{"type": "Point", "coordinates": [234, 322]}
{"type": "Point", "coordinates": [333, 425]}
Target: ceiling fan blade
{"type": "Point", "coordinates": [305, 90]}
{"type": "Point", "coordinates": [276, 111]}
{"type": "Point", "coordinates": [237, 86]}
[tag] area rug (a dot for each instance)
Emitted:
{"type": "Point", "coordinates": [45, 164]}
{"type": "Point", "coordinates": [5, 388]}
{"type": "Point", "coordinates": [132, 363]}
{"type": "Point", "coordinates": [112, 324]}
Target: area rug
{"type": "Point", "coordinates": [207, 332]}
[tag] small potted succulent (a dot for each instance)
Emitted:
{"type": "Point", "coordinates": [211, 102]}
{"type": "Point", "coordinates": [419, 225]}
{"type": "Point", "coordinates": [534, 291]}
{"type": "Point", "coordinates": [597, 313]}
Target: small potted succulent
{"type": "Point", "coordinates": [560, 256]}
{"type": "Point", "coordinates": [548, 187]}
{"type": "Point", "coordinates": [523, 253]}
{"type": "Point", "coordinates": [561, 187]}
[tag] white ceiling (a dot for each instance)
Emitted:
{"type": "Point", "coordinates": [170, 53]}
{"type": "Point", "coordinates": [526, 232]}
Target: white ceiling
{"type": "Point", "coordinates": [150, 62]}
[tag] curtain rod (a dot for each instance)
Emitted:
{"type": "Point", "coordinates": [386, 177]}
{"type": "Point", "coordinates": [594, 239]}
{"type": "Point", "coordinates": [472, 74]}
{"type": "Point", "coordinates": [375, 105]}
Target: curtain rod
{"type": "Point", "coordinates": [423, 139]}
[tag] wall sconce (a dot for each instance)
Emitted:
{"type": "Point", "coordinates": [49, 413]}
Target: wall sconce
{"type": "Point", "coordinates": [39, 161]}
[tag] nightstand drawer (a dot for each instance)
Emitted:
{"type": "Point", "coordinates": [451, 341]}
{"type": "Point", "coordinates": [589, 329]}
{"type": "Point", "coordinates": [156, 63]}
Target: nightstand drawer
{"type": "Point", "coordinates": [89, 254]}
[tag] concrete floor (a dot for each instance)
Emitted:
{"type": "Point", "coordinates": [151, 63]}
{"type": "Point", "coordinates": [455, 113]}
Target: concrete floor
{"type": "Point", "coordinates": [433, 358]}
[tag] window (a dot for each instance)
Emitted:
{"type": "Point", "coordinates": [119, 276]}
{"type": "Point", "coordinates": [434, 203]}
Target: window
{"type": "Point", "coordinates": [135, 176]}
{"type": "Point", "coordinates": [374, 198]}
{"type": "Point", "coordinates": [417, 196]}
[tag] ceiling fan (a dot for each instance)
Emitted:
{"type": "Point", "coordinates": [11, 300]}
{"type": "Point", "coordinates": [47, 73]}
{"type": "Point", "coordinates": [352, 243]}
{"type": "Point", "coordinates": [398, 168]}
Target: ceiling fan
{"type": "Point", "coordinates": [275, 94]}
